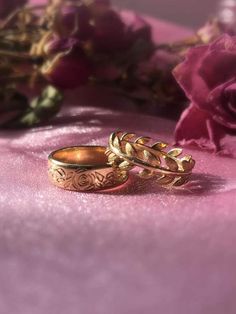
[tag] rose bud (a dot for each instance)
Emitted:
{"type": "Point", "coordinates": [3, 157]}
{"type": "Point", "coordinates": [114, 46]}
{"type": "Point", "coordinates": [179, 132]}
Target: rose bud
{"type": "Point", "coordinates": [109, 33]}
{"type": "Point", "coordinates": [74, 20]}
{"type": "Point", "coordinates": [6, 7]}
{"type": "Point", "coordinates": [68, 68]}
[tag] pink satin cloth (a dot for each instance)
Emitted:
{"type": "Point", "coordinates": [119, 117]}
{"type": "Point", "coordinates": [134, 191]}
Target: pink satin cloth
{"type": "Point", "coordinates": [138, 249]}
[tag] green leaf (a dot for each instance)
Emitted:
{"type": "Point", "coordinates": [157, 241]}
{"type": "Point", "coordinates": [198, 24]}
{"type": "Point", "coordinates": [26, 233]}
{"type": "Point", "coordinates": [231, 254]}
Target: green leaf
{"type": "Point", "coordinates": [29, 119]}
{"type": "Point", "coordinates": [46, 106]}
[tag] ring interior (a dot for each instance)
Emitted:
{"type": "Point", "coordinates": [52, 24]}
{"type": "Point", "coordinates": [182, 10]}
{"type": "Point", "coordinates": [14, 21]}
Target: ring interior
{"type": "Point", "coordinates": [82, 155]}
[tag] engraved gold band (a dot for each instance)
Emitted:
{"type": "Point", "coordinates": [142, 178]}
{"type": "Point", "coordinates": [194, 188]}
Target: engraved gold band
{"type": "Point", "coordinates": [83, 168]}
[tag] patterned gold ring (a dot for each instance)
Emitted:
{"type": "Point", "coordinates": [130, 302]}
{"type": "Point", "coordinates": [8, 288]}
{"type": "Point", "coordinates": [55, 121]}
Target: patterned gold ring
{"type": "Point", "coordinates": [83, 168]}
{"type": "Point", "coordinates": [126, 151]}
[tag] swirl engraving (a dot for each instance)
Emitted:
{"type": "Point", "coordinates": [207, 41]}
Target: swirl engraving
{"type": "Point", "coordinates": [81, 179]}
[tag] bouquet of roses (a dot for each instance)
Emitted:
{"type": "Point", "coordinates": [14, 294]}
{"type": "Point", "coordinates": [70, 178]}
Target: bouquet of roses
{"type": "Point", "coordinates": [60, 46]}
{"type": "Point", "coordinates": [46, 49]}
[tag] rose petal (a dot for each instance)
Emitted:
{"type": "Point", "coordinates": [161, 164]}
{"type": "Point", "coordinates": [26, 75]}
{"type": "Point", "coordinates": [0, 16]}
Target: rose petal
{"type": "Point", "coordinates": [196, 127]}
{"type": "Point", "coordinates": [217, 66]}
{"type": "Point", "coordinates": [228, 145]}
{"type": "Point", "coordinates": [187, 75]}
{"type": "Point", "coordinates": [218, 105]}
{"type": "Point", "coordinates": [208, 76]}
{"type": "Point", "coordinates": [224, 42]}
{"type": "Point", "coordinates": [232, 89]}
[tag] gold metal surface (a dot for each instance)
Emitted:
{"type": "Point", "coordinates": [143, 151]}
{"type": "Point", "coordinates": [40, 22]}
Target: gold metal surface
{"type": "Point", "coordinates": [83, 168]}
{"type": "Point", "coordinates": [126, 151]}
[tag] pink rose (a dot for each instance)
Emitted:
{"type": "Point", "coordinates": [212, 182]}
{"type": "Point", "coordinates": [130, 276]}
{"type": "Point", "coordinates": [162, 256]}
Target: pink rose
{"type": "Point", "coordinates": [208, 77]}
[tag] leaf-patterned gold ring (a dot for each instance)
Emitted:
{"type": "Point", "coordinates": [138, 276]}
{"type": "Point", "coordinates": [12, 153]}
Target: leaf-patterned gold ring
{"type": "Point", "coordinates": [83, 168]}
{"type": "Point", "coordinates": [126, 151]}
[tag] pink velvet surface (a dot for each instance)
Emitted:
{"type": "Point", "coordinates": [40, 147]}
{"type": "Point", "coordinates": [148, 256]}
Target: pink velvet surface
{"type": "Point", "coordinates": [134, 250]}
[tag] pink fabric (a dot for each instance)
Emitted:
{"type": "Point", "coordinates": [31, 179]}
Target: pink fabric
{"type": "Point", "coordinates": [135, 250]}
{"type": "Point", "coordinates": [186, 12]}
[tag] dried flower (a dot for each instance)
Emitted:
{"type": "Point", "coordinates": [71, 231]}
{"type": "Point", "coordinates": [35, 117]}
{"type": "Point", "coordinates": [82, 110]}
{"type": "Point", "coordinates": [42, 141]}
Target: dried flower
{"type": "Point", "coordinates": [68, 43]}
{"type": "Point", "coordinates": [74, 20]}
{"type": "Point", "coordinates": [69, 67]}
{"type": "Point", "coordinates": [109, 33]}
{"type": "Point", "coordinates": [208, 78]}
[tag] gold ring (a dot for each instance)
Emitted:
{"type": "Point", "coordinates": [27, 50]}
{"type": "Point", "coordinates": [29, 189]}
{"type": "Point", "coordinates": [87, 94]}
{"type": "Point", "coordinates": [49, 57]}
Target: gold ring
{"type": "Point", "coordinates": [83, 168]}
{"type": "Point", "coordinates": [126, 151]}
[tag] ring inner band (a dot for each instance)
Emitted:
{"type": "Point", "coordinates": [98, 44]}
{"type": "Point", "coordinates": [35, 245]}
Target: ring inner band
{"type": "Point", "coordinates": [82, 156]}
